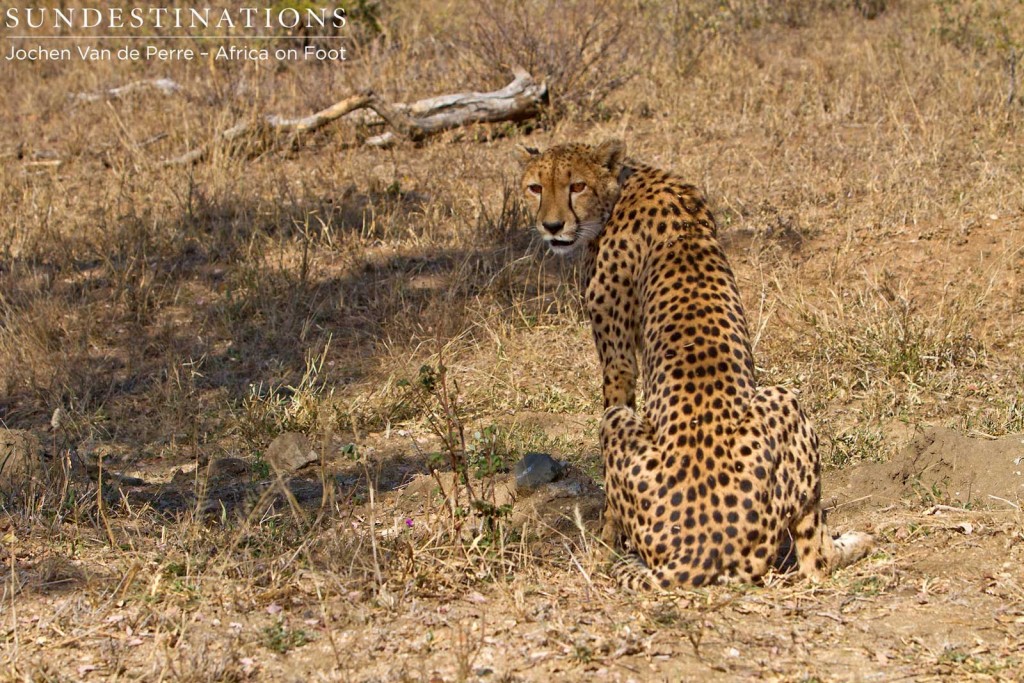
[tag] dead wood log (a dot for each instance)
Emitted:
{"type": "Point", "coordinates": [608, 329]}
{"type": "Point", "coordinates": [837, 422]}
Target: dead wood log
{"type": "Point", "coordinates": [162, 85]}
{"type": "Point", "coordinates": [519, 100]}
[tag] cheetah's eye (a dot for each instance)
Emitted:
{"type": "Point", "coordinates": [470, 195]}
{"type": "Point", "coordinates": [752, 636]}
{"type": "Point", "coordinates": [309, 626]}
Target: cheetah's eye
{"type": "Point", "coordinates": [535, 188]}
{"type": "Point", "coordinates": [577, 187]}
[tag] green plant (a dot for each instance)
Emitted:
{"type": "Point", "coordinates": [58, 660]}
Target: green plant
{"type": "Point", "coordinates": [936, 493]}
{"type": "Point", "coordinates": [280, 639]}
{"type": "Point", "coordinates": [260, 467]}
{"type": "Point", "coordinates": [437, 396]}
{"type": "Point", "coordinates": [484, 452]}
{"type": "Point", "coordinates": [868, 585]}
{"type": "Point", "coordinates": [582, 653]}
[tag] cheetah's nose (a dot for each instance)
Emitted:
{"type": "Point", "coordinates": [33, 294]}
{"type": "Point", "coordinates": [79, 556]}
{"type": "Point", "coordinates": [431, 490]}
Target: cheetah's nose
{"type": "Point", "coordinates": [553, 227]}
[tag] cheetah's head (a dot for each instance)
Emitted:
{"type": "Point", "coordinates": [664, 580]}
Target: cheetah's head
{"type": "Point", "coordinates": [572, 189]}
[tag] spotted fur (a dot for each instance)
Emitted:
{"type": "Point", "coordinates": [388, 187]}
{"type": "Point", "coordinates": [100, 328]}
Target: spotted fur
{"type": "Point", "coordinates": [717, 475]}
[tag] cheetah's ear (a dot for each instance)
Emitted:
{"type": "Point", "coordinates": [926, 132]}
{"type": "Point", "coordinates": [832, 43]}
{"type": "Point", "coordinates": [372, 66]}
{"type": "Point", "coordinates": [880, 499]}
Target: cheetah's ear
{"type": "Point", "coordinates": [610, 153]}
{"type": "Point", "coordinates": [526, 153]}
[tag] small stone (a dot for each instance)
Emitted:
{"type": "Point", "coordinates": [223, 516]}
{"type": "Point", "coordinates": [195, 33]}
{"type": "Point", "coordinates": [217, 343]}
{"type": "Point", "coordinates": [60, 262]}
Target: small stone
{"type": "Point", "coordinates": [290, 451]}
{"type": "Point", "coordinates": [535, 470]}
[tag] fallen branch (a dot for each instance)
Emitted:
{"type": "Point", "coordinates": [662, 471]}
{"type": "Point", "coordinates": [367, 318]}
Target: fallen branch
{"type": "Point", "coordinates": [163, 85]}
{"type": "Point", "coordinates": [255, 136]}
{"type": "Point", "coordinates": [518, 101]}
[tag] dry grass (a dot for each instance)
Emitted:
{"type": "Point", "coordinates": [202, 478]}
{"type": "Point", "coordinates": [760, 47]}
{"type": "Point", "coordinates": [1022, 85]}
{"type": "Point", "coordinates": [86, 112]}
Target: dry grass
{"type": "Point", "coordinates": [867, 178]}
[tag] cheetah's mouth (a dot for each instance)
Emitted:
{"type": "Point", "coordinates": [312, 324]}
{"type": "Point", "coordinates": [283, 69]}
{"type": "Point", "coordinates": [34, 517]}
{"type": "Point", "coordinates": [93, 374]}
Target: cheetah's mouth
{"type": "Point", "coordinates": [560, 244]}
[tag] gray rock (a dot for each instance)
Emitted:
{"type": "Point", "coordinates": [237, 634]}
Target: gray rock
{"type": "Point", "coordinates": [535, 470]}
{"type": "Point", "coordinates": [289, 452]}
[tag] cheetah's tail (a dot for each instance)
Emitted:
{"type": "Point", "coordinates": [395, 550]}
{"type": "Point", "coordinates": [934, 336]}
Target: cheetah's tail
{"type": "Point", "coordinates": [630, 572]}
{"type": "Point", "coordinates": [852, 546]}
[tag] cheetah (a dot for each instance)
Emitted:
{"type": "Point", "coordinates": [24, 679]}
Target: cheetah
{"type": "Point", "coordinates": [717, 476]}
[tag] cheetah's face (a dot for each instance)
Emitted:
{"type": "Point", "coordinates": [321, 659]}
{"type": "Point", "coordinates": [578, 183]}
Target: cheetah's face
{"type": "Point", "coordinates": [572, 189]}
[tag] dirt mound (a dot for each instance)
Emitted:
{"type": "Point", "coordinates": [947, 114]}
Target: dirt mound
{"type": "Point", "coordinates": [939, 466]}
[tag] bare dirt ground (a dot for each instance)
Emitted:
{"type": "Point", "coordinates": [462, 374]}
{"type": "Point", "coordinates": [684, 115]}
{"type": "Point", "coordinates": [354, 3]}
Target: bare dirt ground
{"type": "Point", "coordinates": [161, 326]}
{"type": "Point", "coordinates": [939, 599]}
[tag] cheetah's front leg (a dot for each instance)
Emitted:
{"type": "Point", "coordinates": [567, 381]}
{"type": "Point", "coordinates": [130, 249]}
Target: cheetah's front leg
{"type": "Point", "coordinates": [625, 443]}
{"type": "Point", "coordinates": [618, 364]}
{"type": "Point", "coordinates": [613, 310]}
{"type": "Point", "coordinates": [616, 462]}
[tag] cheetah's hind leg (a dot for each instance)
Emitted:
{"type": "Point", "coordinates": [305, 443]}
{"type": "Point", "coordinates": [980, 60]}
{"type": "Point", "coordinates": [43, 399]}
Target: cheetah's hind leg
{"type": "Point", "coordinates": [777, 444]}
{"type": "Point", "coordinates": [817, 553]}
